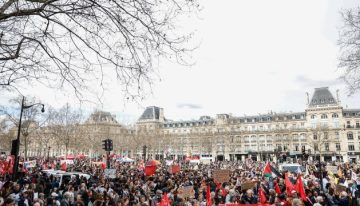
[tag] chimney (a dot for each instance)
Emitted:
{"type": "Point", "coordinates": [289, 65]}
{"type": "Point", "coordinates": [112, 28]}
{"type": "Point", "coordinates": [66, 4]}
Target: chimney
{"type": "Point", "coordinates": [337, 96]}
{"type": "Point", "coordinates": [161, 114]}
{"type": "Point", "coordinates": [307, 98]}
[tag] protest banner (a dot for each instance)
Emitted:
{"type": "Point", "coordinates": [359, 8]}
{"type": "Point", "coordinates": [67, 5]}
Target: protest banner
{"type": "Point", "coordinates": [30, 164]}
{"type": "Point", "coordinates": [68, 162]}
{"type": "Point", "coordinates": [245, 204]}
{"type": "Point", "coordinates": [333, 169]}
{"type": "Point", "coordinates": [110, 173]}
{"type": "Point", "coordinates": [221, 176]}
{"type": "Point", "coordinates": [340, 188]}
{"type": "Point", "coordinates": [187, 191]}
{"type": "Point", "coordinates": [248, 185]}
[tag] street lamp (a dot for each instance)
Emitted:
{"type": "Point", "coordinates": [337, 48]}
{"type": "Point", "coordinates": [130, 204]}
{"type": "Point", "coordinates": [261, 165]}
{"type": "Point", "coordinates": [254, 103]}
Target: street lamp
{"type": "Point", "coordinates": [16, 161]}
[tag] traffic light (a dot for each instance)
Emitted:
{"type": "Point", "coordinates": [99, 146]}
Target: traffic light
{"type": "Point", "coordinates": [110, 145]}
{"type": "Point", "coordinates": [107, 145]}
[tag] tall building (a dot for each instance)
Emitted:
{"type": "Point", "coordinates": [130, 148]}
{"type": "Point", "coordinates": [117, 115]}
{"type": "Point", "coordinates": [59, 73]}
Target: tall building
{"type": "Point", "coordinates": [324, 129]}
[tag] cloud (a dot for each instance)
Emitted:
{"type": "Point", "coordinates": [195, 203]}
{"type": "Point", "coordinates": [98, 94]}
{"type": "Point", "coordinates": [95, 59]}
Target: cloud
{"type": "Point", "coordinates": [189, 106]}
{"type": "Point", "coordinates": [308, 82]}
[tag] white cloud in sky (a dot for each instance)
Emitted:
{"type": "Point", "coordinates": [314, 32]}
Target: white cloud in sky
{"type": "Point", "coordinates": [254, 56]}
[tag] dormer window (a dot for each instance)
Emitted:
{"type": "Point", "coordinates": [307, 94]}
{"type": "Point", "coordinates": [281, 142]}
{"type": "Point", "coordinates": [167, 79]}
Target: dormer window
{"type": "Point", "coordinates": [331, 100]}
{"type": "Point", "coordinates": [314, 101]}
{"type": "Point", "coordinates": [322, 100]}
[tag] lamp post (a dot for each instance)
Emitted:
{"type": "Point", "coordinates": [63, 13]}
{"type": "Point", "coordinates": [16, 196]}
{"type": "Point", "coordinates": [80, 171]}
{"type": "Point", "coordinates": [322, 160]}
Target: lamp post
{"type": "Point", "coordinates": [16, 161]}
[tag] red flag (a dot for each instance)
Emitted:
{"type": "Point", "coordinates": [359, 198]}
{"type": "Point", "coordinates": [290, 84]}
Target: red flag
{"type": "Point", "coordinates": [63, 166]}
{"type": "Point", "coordinates": [174, 169]}
{"type": "Point", "coordinates": [208, 196]}
{"type": "Point", "coordinates": [165, 200]}
{"type": "Point", "coordinates": [277, 189]}
{"type": "Point", "coordinates": [288, 184]}
{"type": "Point", "coordinates": [103, 165]}
{"type": "Point", "coordinates": [2, 168]}
{"type": "Point", "coordinates": [10, 163]}
{"type": "Point", "coordinates": [299, 187]}
{"type": "Point", "coordinates": [150, 170]}
{"type": "Point", "coordinates": [262, 196]}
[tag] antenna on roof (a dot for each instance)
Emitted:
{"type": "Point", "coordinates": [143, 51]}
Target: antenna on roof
{"type": "Point", "coordinates": [337, 96]}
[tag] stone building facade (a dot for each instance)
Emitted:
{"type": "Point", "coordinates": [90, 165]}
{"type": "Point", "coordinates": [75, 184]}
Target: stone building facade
{"type": "Point", "coordinates": [323, 130]}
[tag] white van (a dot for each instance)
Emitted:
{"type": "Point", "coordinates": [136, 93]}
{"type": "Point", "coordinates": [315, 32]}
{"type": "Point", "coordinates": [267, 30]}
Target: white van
{"type": "Point", "coordinates": [63, 176]}
{"type": "Point", "coordinates": [206, 158]}
{"type": "Point", "coordinates": [291, 167]}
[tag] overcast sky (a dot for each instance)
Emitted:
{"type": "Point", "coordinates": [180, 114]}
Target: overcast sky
{"type": "Point", "coordinates": [254, 56]}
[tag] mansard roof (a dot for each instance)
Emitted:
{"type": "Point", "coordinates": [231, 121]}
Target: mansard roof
{"type": "Point", "coordinates": [101, 117]}
{"type": "Point", "coordinates": [151, 113]}
{"type": "Point", "coordinates": [322, 96]}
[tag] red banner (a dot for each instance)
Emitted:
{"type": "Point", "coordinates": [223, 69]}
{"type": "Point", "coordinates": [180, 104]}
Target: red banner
{"type": "Point", "coordinates": [245, 204]}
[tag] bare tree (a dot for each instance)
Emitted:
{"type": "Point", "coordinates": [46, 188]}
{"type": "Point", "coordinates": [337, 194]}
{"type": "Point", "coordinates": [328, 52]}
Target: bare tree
{"type": "Point", "coordinates": [32, 119]}
{"type": "Point", "coordinates": [64, 124]}
{"type": "Point", "coordinates": [320, 138]}
{"type": "Point", "coordinates": [349, 42]}
{"type": "Point", "coordinates": [5, 136]}
{"type": "Point", "coordinates": [70, 43]}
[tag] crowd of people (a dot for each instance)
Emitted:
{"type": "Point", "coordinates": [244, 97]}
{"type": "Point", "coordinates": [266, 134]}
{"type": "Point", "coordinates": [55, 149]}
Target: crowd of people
{"type": "Point", "coordinates": [131, 186]}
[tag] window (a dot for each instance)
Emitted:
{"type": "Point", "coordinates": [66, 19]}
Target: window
{"type": "Point", "coordinates": [316, 148]}
{"type": "Point", "coordinates": [351, 147]}
{"type": "Point", "coordinates": [296, 147]}
{"type": "Point", "coordinates": [350, 136]}
{"type": "Point", "coordinates": [335, 115]}
{"type": "Point", "coordinates": [357, 124]}
{"type": "Point", "coordinates": [324, 116]}
{"type": "Point", "coordinates": [313, 116]}
{"type": "Point", "coordinates": [337, 135]}
{"type": "Point", "coordinates": [338, 147]}
{"type": "Point", "coordinates": [326, 135]}
{"type": "Point", "coordinates": [348, 124]}
{"type": "Point", "coordinates": [313, 125]}
{"type": "Point", "coordinates": [315, 137]}
{"type": "Point", "coordinates": [327, 147]}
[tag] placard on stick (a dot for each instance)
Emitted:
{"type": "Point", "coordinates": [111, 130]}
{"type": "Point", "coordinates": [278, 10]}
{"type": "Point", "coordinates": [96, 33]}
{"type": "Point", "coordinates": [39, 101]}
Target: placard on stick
{"type": "Point", "coordinates": [221, 175]}
{"type": "Point", "coordinates": [333, 169]}
{"type": "Point", "coordinates": [187, 191]}
{"type": "Point", "coordinates": [340, 188]}
{"type": "Point", "coordinates": [248, 185]}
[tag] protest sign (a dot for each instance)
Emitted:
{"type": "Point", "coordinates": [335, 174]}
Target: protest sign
{"type": "Point", "coordinates": [187, 191]}
{"type": "Point", "coordinates": [248, 185]}
{"type": "Point", "coordinates": [333, 169]}
{"type": "Point", "coordinates": [30, 164]}
{"type": "Point", "coordinates": [110, 173]}
{"type": "Point", "coordinates": [340, 188]}
{"type": "Point", "coordinates": [221, 175]}
{"type": "Point", "coordinates": [68, 162]}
